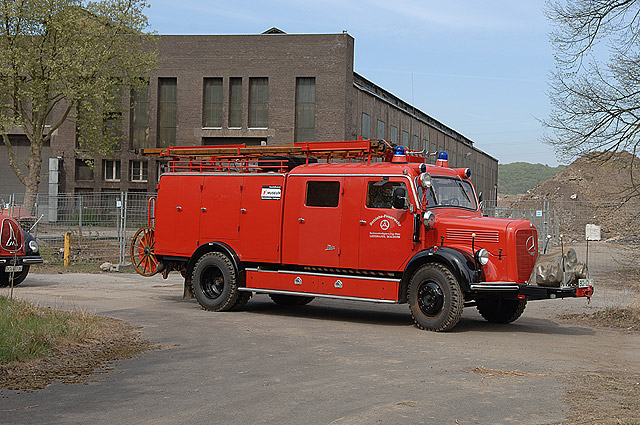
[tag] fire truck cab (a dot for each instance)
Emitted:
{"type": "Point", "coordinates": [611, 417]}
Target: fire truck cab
{"type": "Point", "coordinates": [380, 225]}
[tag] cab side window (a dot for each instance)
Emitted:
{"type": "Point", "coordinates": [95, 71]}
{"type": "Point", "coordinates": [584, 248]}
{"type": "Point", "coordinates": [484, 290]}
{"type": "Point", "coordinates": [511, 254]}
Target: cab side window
{"type": "Point", "coordinates": [380, 193]}
{"type": "Point", "coordinates": [322, 194]}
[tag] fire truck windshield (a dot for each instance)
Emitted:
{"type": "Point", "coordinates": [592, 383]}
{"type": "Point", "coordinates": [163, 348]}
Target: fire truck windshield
{"type": "Point", "coordinates": [449, 192]}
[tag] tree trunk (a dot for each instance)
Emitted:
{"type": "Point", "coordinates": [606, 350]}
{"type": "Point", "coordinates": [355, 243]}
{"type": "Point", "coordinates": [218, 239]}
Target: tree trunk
{"type": "Point", "coordinates": [32, 180]}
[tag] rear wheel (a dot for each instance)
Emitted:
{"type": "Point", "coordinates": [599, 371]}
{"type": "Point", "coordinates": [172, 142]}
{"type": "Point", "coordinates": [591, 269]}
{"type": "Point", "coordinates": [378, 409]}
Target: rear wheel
{"type": "Point", "coordinates": [435, 298]}
{"type": "Point", "coordinates": [18, 277]}
{"type": "Point", "coordinates": [215, 283]}
{"type": "Point", "coordinates": [290, 300]}
{"type": "Point", "coordinates": [500, 310]}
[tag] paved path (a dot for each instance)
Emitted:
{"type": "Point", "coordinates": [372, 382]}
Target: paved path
{"type": "Point", "coordinates": [330, 362]}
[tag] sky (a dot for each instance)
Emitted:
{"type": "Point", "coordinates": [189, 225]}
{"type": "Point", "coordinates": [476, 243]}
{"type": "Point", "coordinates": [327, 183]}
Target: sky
{"type": "Point", "coordinates": [480, 68]}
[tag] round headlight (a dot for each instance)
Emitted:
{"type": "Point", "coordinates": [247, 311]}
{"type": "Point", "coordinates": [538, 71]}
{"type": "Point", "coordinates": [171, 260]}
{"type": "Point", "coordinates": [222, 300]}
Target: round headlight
{"type": "Point", "coordinates": [33, 246]}
{"type": "Point", "coordinates": [429, 219]}
{"type": "Point", "coordinates": [425, 180]}
{"type": "Point", "coordinates": [482, 256]}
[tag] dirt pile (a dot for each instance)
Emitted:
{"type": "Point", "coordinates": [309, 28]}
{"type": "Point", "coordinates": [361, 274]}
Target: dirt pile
{"type": "Point", "coordinates": [596, 189]}
{"type": "Point", "coordinates": [594, 177]}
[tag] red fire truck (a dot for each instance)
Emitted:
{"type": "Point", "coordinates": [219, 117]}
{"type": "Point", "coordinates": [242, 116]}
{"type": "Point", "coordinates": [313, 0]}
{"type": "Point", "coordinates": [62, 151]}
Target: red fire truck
{"type": "Point", "coordinates": [362, 220]}
{"type": "Point", "coordinates": [18, 251]}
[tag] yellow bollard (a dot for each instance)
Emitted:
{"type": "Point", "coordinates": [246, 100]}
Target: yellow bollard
{"type": "Point", "coordinates": [67, 248]}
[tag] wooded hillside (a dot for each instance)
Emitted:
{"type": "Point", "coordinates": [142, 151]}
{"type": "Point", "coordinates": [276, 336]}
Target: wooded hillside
{"type": "Point", "coordinates": [518, 177]}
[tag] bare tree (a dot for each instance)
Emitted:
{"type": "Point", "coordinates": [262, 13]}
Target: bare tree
{"type": "Point", "coordinates": [62, 58]}
{"type": "Point", "coordinates": [595, 88]}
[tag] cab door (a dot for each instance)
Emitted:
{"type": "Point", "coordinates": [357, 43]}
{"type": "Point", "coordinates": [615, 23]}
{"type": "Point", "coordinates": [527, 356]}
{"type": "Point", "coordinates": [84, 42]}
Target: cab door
{"type": "Point", "coordinates": [312, 221]}
{"type": "Point", "coordinates": [386, 233]}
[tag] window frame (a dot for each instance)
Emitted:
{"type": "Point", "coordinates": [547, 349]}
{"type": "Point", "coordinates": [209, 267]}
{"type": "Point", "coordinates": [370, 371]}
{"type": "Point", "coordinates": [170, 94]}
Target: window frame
{"type": "Point", "coordinates": [321, 193]}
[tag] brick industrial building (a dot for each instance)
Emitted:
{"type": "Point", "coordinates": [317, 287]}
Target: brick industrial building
{"type": "Point", "coordinates": [223, 89]}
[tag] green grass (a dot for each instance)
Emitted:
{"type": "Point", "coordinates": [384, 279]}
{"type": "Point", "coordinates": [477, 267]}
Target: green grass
{"type": "Point", "coordinates": [28, 331]}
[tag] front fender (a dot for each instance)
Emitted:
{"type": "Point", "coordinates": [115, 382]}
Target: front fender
{"type": "Point", "coordinates": [460, 262]}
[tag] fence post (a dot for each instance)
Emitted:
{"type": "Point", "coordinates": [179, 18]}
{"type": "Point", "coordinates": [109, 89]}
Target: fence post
{"type": "Point", "coordinates": [80, 212]}
{"type": "Point", "coordinates": [67, 248]}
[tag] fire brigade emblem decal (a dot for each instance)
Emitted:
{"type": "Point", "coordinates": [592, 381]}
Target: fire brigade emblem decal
{"type": "Point", "coordinates": [384, 222]}
{"type": "Point", "coordinates": [10, 233]}
{"type": "Point", "coordinates": [531, 246]}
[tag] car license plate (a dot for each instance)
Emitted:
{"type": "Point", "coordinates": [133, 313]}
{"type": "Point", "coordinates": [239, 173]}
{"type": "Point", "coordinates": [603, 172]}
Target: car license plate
{"type": "Point", "coordinates": [14, 269]}
{"type": "Point", "coordinates": [583, 283]}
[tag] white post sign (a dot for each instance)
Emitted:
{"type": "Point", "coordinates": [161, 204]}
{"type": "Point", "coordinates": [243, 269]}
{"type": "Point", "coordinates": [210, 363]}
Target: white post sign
{"type": "Point", "coordinates": [592, 232]}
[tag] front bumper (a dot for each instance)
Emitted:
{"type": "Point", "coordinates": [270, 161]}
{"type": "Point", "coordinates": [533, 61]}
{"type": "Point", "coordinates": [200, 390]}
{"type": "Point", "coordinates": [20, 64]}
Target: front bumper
{"type": "Point", "coordinates": [21, 261]}
{"type": "Point", "coordinates": [531, 292]}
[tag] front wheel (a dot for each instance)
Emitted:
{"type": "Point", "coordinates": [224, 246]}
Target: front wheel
{"type": "Point", "coordinates": [435, 298]}
{"type": "Point", "coordinates": [18, 277]}
{"type": "Point", "coordinates": [215, 283]}
{"type": "Point", "coordinates": [500, 310]}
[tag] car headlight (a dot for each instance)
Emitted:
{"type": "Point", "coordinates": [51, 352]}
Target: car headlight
{"type": "Point", "coordinates": [482, 256]}
{"type": "Point", "coordinates": [33, 246]}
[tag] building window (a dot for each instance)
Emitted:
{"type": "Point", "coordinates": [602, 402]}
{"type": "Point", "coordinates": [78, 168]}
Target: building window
{"type": "Point", "coordinates": [393, 134]}
{"type": "Point", "coordinates": [322, 194]}
{"type": "Point", "coordinates": [235, 102]}
{"type": "Point", "coordinates": [381, 130]}
{"type": "Point", "coordinates": [434, 152]}
{"type": "Point", "coordinates": [305, 109]}
{"type": "Point", "coordinates": [111, 170]}
{"type": "Point", "coordinates": [416, 143]}
{"type": "Point", "coordinates": [366, 126]}
{"type": "Point", "coordinates": [405, 138]}
{"type": "Point", "coordinates": [139, 171]}
{"type": "Point", "coordinates": [212, 103]}
{"type": "Point", "coordinates": [258, 102]}
{"type": "Point", "coordinates": [140, 117]}
{"type": "Point", "coordinates": [167, 111]}
{"type": "Point", "coordinates": [83, 171]}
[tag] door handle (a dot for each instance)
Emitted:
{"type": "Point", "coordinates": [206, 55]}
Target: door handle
{"type": "Point", "coordinates": [179, 208]}
{"type": "Point", "coordinates": [301, 220]}
{"type": "Point", "coordinates": [243, 210]}
{"type": "Point", "coordinates": [203, 209]}
{"type": "Point", "coordinates": [363, 221]}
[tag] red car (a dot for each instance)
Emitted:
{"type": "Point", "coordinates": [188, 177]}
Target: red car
{"type": "Point", "coordinates": [18, 251]}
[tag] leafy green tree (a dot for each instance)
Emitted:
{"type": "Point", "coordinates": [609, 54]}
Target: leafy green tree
{"type": "Point", "coordinates": [595, 88]}
{"type": "Point", "coordinates": [66, 58]}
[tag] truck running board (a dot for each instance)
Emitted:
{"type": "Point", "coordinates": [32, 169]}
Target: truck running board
{"type": "Point", "coordinates": [328, 285]}
{"type": "Point", "coordinates": [307, 294]}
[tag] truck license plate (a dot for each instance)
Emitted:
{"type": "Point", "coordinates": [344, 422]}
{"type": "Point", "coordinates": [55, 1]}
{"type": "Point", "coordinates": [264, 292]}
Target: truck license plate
{"type": "Point", "coordinates": [13, 269]}
{"type": "Point", "coordinates": [583, 283]}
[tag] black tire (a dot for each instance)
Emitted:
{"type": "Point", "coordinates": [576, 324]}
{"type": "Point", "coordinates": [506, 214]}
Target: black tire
{"type": "Point", "coordinates": [243, 298]}
{"type": "Point", "coordinates": [435, 298]}
{"type": "Point", "coordinates": [290, 300]}
{"type": "Point", "coordinates": [17, 277]}
{"type": "Point", "coordinates": [215, 284]}
{"type": "Point", "coordinates": [500, 310]}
